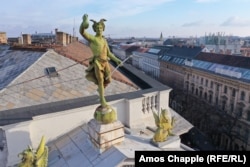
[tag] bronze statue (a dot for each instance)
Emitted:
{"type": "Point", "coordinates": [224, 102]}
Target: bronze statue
{"type": "Point", "coordinates": [99, 69]}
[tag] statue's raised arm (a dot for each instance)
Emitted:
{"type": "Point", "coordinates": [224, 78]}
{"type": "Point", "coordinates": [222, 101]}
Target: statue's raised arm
{"type": "Point", "coordinates": [84, 26]}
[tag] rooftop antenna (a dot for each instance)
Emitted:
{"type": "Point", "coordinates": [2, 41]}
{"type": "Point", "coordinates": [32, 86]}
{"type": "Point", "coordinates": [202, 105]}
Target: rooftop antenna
{"type": "Point", "coordinates": [74, 28]}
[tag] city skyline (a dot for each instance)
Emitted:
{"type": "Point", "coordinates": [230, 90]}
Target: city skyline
{"type": "Point", "coordinates": [128, 18]}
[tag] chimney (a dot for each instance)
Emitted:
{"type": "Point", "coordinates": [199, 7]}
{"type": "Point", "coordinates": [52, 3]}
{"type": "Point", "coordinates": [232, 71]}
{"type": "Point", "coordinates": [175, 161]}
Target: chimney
{"type": "Point", "coordinates": [26, 39]}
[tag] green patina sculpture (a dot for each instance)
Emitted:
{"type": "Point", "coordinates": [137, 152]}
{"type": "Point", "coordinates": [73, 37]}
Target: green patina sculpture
{"type": "Point", "coordinates": [35, 158]}
{"type": "Point", "coordinates": [99, 68]}
{"type": "Point", "coordinates": [164, 126]}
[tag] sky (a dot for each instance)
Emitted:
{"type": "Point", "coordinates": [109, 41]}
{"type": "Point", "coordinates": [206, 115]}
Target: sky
{"type": "Point", "coordinates": [128, 18]}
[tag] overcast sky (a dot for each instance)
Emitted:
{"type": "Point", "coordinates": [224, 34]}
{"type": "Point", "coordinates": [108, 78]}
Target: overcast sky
{"type": "Point", "coordinates": [127, 18]}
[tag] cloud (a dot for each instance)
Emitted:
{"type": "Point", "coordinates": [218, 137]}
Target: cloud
{"type": "Point", "coordinates": [121, 8]}
{"type": "Point", "coordinates": [192, 24]}
{"type": "Point", "coordinates": [236, 21]}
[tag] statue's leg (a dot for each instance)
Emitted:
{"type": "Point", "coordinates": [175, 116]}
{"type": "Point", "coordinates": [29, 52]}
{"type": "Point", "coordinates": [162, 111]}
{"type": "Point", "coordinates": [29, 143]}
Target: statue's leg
{"type": "Point", "coordinates": [107, 75]}
{"type": "Point", "coordinates": [90, 76]}
{"type": "Point", "coordinates": [100, 78]}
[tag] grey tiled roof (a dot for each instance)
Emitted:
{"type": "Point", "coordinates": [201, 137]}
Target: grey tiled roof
{"type": "Point", "coordinates": [230, 60]}
{"type": "Point", "coordinates": [184, 51]}
{"type": "Point", "coordinates": [33, 87]}
{"type": "Point", "coordinates": [13, 63]}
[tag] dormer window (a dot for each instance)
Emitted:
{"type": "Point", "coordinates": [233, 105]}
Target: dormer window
{"type": "Point", "coordinates": [51, 72]}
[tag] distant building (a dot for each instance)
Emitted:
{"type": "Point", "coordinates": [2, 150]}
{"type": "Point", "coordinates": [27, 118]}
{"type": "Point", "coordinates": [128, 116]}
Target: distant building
{"type": "Point", "coordinates": [124, 51]}
{"type": "Point", "coordinates": [14, 40]}
{"type": "Point", "coordinates": [148, 60]}
{"type": "Point", "coordinates": [175, 41]}
{"type": "Point", "coordinates": [219, 43]}
{"type": "Point", "coordinates": [3, 38]}
{"type": "Point", "coordinates": [43, 38]}
{"type": "Point", "coordinates": [214, 93]}
{"type": "Point", "coordinates": [171, 70]}
{"type": "Point", "coordinates": [245, 51]}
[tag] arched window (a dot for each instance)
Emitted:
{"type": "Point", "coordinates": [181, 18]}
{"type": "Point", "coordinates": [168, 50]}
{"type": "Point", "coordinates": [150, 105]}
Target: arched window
{"type": "Point", "coordinates": [196, 92]}
{"type": "Point", "coordinates": [205, 95]}
{"type": "Point", "coordinates": [223, 105]}
{"type": "Point", "coordinates": [192, 90]}
{"type": "Point", "coordinates": [210, 98]}
{"type": "Point", "coordinates": [200, 93]}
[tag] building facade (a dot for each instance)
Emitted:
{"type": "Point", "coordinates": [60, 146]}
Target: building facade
{"type": "Point", "coordinates": [213, 91]}
{"type": "Point", "coordinates": [148, 62]}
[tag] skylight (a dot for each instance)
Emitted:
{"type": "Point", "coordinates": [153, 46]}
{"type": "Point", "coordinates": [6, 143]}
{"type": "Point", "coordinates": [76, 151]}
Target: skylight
{"type": "Point", "coordinates": [51, 72]}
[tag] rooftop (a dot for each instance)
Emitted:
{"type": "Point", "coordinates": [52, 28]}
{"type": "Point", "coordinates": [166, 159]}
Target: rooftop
{"type": "Point", "coordinates": [75, 148]}
{"type": "Point", "coordinates": [24, 81]}
{"type": "Point", "coordinates": [230, 60]}
{"type": "Point", "coordinates": [49, 101]}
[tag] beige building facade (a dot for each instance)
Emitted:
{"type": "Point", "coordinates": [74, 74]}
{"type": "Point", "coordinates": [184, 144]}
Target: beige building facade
{"type": "Point", "coordinates": [227, 96]}
{"type": "Point", "coordinates": [218, 102]}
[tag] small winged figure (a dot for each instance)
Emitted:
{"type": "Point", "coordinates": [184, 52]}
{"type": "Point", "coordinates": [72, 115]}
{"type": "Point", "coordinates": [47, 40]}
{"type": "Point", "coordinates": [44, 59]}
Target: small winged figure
{"type": "Point", "coordinates": [164, 126]}
{"type": "Point", "coordinates": [35, 158]}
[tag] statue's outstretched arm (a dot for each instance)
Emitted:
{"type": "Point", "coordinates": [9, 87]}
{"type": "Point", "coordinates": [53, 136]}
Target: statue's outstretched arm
{"type": "Point", "coordinates": [111, 55]}
{"type": "Point", "coordinates": [114, 58]}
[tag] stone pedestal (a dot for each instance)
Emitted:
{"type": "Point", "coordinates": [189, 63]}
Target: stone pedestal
{"type": "Point", "coordinates": [171, 142]}
{"type": "Point", "coordinates": [104, 136]}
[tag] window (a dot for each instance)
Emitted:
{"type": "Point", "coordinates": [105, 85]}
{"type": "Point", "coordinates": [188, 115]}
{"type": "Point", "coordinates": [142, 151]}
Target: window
{"type": "Point", "coordinates": [192, 89]}
{"type": "Point", "coordinates": [210, 98]}
{"type": "Point", "coordinates": [211, 84]}
{"type": "Point", "coordinates": [217, 87]}
{"type": "Point", "coordinates": [240, 111]}
{"type": "Point", "coordinates": [233, 92]}
{"type": "Point", "coordinates": [242, 95]}
{"type": "Point", "coordinates": [231, 107]}
{"type": "Point", "coordinates": [206, 82]}
{"type": "Point", "coordinates": [201, 81]}
{"type": "Point", "coordinates": [200, 93]}
{"type": "Point", "coordinates": [225, 89]}
{"type": "Point", "coordinates": [248, 115]}
{"type": "Point", "coordinates": [223, 107]}
{"type": "Point", "coordinates": [205, 95]}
